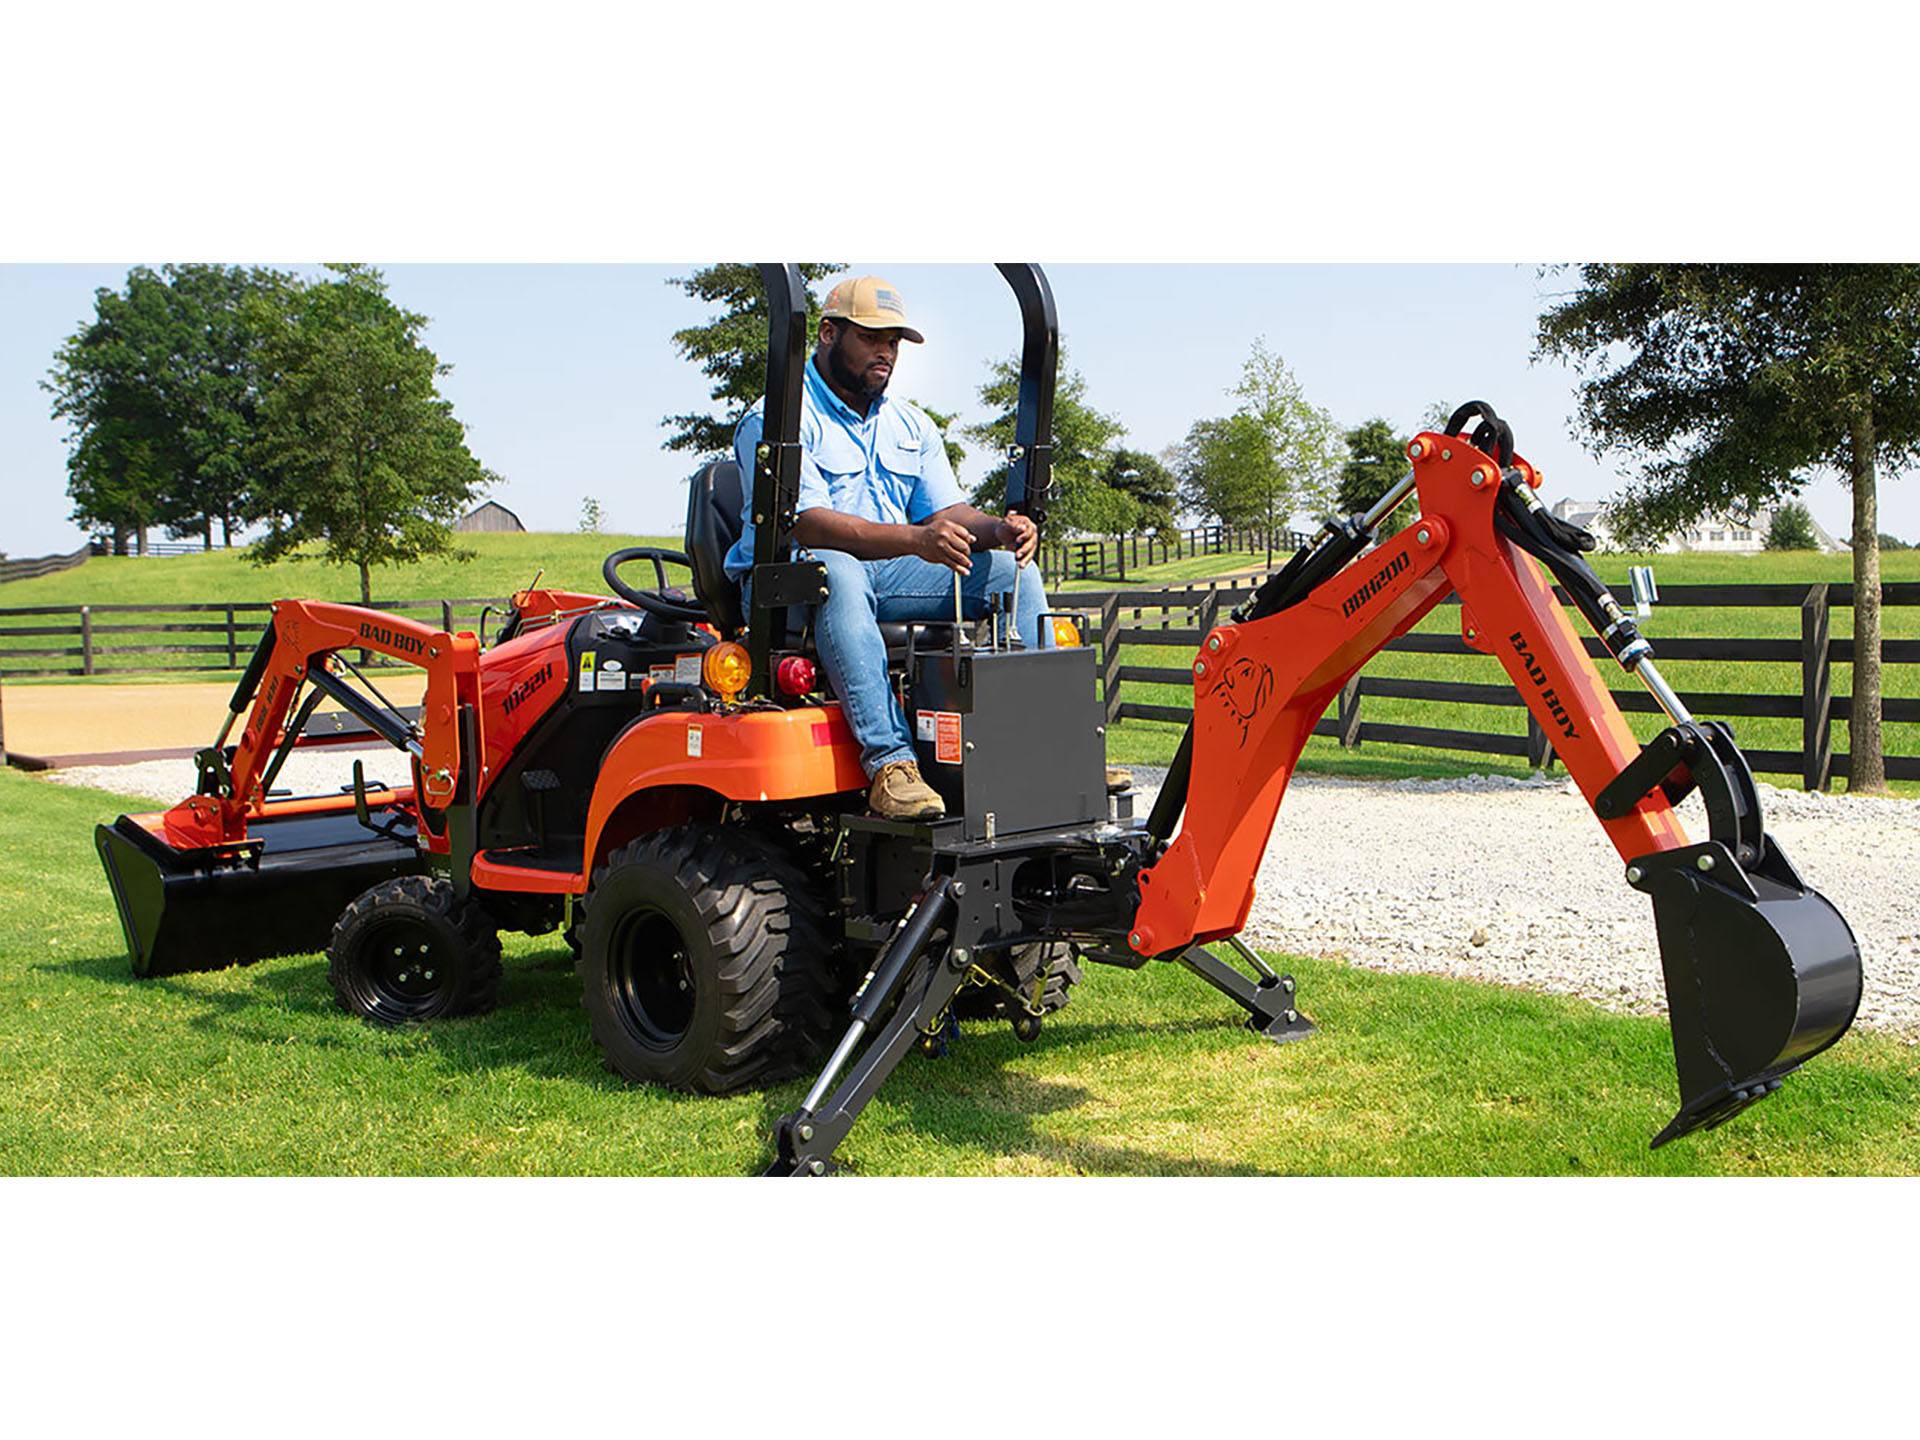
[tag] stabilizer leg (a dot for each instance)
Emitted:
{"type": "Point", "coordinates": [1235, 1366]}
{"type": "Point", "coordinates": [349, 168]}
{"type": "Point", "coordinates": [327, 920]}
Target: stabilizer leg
{"type": "Point", "coordinates": [804, 1141]}
{"type": "Point", "coordinates": [926, 975]}
{"type": "Point", "coordinates": [1270, 1003]}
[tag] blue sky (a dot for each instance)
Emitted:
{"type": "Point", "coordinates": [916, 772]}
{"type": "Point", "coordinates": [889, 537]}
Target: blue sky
{"type": "Point", "coordinates": [563, 372]}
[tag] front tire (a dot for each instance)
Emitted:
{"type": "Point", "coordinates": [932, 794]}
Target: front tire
{"type": "Point", "coordinates": [704, 963]}
{"type": "Point", "coordinates": [410, 949]}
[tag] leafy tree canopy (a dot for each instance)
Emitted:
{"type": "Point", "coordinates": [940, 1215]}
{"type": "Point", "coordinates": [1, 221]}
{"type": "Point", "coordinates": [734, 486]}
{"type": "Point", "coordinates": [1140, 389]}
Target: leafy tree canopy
{"type": "Point", "coordinates": [1148, 483]}
{"type": "Point", "coordinates": [356, 448]}
{"type": "Point", "coordinates": [1227, 469]}
{"type": "Point", "coordinates": [731, 349]}
{"type": "Point", "coordinates": [161, 390]}
{"type": "Point", "coordinates": [1376, 461]}
{"type": "Point", "coordinates": [1277, 453]}
{"type": "Point", "coordinates": [1082, 438]}
{"type": "Point", "coordinates": [1791, 528]}
{"type": "Point", "coordinates": [1731, 383]}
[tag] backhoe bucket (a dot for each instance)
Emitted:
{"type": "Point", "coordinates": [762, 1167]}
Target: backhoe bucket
{"type": "Point", "coordinates": [1762, 974]}
{"type": "Point", "coordinates": [279, 893]}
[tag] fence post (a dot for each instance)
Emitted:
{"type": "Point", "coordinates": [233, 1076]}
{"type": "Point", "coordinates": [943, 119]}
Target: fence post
{"type": "Point", "coordinates": [86, 640]}
{"type": "Point", "coordinates": [3, 726]}
{"type": "Point", "coordinates": [446, 616]}
{"type": "Point", "coordinates": [1110, 657]}
{"type": "Point", "coordinates": [1120, 555]}
{"type": "Point", "coordinates": [1816, 691]}
{"type": "Point", "coordinates": [1539, 751]}
{"type": "Point", "coordinates": [1348, 715]}
{"type": "Point", "coordinates": [233, 646]}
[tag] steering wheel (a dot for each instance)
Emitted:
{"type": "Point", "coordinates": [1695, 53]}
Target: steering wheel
{"type": "Point", "coordinates": [651, 601]}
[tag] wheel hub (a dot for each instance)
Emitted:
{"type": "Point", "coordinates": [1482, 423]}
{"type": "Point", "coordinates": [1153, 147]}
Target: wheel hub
{"type": "Point", "coordinates": [651, 979]}
{"type": "Point", "coordinates": [409, 968]}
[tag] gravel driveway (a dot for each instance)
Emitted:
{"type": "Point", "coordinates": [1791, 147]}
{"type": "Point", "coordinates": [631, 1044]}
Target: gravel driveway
{"type": "Point", "coordinates": [1487, 877]}
{"type": "Point", "coordinates": [1513, 881]}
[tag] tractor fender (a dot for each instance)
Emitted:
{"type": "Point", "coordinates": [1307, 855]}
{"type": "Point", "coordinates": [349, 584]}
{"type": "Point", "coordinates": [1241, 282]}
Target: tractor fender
{"type": "Point", "coordinates": [664, 761]}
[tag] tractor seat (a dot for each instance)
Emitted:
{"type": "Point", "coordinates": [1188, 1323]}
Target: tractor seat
{"type": "Point", "coordinates": [716, 501]}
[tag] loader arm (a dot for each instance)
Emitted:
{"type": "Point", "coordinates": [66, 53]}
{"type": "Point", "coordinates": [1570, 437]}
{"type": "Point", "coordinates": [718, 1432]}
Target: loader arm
{"type": "Point", "coordinates": [1761, 971]}
{"type": "Point", "coordinates": [296, 651]}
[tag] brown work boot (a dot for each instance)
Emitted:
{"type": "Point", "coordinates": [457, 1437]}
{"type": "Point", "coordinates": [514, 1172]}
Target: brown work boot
{"type": "Point", "coordinates": [900, 794]}
{"type": "Point", "coordinates": [1118, 779]}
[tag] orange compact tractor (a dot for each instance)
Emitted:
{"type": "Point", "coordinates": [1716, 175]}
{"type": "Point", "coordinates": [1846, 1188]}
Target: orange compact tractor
{"type": "Point", "coordinates": [659, 775]}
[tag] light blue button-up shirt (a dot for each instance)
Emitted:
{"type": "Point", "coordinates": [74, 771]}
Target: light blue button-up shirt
{"type": "Point", "coordinates": [889, 465]}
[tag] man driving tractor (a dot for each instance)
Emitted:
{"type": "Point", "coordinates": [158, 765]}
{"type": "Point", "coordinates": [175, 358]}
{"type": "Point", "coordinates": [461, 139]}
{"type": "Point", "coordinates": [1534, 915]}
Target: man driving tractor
{"type": "Point", "coordinates": [880, 508]}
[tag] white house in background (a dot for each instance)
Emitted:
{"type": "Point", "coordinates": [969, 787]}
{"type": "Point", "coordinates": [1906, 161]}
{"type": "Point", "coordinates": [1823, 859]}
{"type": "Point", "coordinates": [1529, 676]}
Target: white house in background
{"type": "Point", "coordinates": [1736, 534]}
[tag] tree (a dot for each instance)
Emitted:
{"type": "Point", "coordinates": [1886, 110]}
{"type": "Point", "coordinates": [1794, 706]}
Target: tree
{"type": "Point", "coordinates": [1082, 437]}
{"type": "Point", "coordinates": [1305, 442]}
{"type": "Point", "coordinates": [356, 447]}
{"type": "Point", "coordinates": [1893, 542]}
{"type": "Point", "coordinates": [730, 349]}
{"type": "Point", "coordinates": [1148, 483]}
{"type": "Point", "coordinates": [1227, 469]}
{"type": "Point", "coordinates": [160, 390]}
{"type": "Point", "coordinates": [1736, 381]}
{"type": "Point", "coordinates": [1376, 462]}
{"type": "Point", "coordinates": [591, 516]}
{"type": "Point", "coordinates": [1791, 529]}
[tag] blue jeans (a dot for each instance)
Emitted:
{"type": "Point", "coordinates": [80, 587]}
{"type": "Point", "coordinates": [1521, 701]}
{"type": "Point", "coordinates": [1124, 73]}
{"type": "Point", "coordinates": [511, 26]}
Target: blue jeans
{"type": "Point", "coordinates": [865, 592]}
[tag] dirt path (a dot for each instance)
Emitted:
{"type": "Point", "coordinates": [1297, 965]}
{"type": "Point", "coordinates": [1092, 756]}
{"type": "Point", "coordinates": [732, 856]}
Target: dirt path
{"type": "Point", "coordinates": [56, 721]}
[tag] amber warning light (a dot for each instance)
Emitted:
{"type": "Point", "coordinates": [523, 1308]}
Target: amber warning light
{"type": "Point", "coordinates": [726, 669]}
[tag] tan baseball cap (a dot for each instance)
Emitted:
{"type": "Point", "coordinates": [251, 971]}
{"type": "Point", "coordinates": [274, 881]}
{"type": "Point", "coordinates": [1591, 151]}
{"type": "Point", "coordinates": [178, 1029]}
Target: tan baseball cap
{"type": "Point", "coordinates": [872, 303]}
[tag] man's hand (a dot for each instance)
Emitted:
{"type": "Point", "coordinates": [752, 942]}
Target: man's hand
{"type": "Point", "coordinates": [945, 541]}
{"type": "Point", "coordinates": [1019, 534]}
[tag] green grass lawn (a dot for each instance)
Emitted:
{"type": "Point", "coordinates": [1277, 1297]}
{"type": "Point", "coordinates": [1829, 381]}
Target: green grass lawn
{"type": "Point", "coordinates": [253, 1071]}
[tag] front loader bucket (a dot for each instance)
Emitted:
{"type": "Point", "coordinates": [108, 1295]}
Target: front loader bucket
{"type": "Point", "coordinates": [277, 894]}
{"type": "Point", "coordinates": [1762, 974]}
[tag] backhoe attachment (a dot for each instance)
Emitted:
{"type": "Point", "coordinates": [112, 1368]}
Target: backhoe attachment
{"type": "Point", "coordinates": [1761, 971]}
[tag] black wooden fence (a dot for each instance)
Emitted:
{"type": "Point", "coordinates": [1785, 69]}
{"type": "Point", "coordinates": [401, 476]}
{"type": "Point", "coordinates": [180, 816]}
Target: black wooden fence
{"type": "Point", "coordinates": [84, 640]}
{"type": "Point", "coordinates": [1182, 616]}
{"type": "Point", "coordinates": [43, 565]}
{"type": "Point", "coordinates": [78, 640]}
{"type": "Point", "coordinates": [1112, 557]}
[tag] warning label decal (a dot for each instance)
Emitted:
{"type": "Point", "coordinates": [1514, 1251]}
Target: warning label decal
{"type": "Point", "coordinates": [946, 737]}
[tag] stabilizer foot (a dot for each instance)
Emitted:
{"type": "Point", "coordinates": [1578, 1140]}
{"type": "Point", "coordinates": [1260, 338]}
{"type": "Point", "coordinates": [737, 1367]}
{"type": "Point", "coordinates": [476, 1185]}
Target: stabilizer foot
{"type": "Point", "coordinates": [1271, 1005]}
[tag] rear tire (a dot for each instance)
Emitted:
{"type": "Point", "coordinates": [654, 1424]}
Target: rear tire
{"type": "Point", "coordinates": [704, 963]}
{"type": "Point", "coordinates": [410, 949]}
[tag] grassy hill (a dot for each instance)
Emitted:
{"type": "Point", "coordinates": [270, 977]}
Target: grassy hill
{"type": "Point", "coordinates": [500, 564]}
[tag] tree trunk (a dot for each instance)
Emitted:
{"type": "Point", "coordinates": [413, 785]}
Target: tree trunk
{"type": "Point", "coordinates": [206, 532]}
{"type": "Point", "coordinates": [226, 532]}
{"type": "Point", "coordinates": [119, 539]}
{"type": "Point", "coordinates": [1866, 764]}
{"type": "Point", "coordinates": [141, 540]}
{"type": "Point", "coordinates": [366, 592]}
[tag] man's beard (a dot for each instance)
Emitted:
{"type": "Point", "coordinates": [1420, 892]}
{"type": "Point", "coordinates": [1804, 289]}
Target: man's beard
{"type": "Point", "coordinates": [847, 378]}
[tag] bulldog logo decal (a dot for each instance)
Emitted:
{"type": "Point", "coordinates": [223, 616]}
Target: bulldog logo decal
{"type": "Point", "coordinates": [1244, 687]}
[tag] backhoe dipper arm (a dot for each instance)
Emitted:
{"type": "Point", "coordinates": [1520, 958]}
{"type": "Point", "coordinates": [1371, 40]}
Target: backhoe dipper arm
{"type": "Point", "coordinates": [294, 650]}
{"type": "Point", "coordinates": [1261, 685]}
{"type": "Point", "coordinates": [1761, 971]}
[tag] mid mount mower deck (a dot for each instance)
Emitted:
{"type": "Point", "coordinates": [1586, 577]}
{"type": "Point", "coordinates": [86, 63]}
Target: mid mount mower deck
{"type": "Point", "coordinates": [689, 808]}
